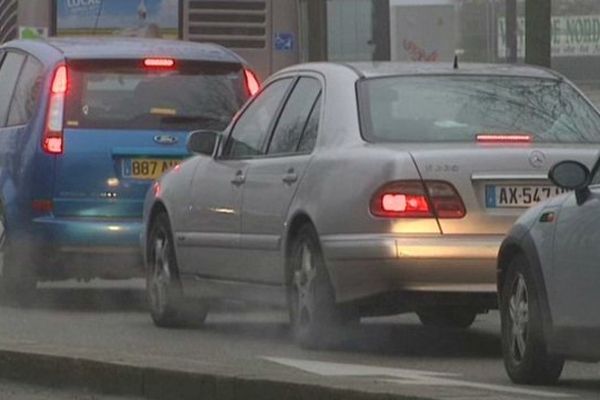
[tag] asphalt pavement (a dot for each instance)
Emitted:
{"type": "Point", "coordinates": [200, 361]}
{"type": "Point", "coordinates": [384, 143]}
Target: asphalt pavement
{"type": "Point", "coordinates": [19, 391]}
{"type": "Point", "coordinates": [108, 321]}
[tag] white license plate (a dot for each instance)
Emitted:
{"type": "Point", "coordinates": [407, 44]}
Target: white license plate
{"type": "Point", "coordinates": [518, 196]}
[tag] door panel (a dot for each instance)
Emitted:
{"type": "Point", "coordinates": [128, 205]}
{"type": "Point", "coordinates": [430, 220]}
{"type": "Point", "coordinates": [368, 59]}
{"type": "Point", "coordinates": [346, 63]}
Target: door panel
{"type": "Point", "coordinates": [272, 182]}
{"type": "Point", "coordinates": [211, 246]}
{"type": "Point", "coordinates": [576, 269]}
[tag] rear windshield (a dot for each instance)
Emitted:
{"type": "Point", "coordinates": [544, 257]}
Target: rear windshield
{"type": "Point", "coordinates": [127, 95]}
{"type": "Point", "coordinates": [457, 109]}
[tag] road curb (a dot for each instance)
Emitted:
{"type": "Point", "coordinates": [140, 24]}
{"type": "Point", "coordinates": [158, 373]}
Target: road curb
{"type": "Point", "coordinates": [116, 378]}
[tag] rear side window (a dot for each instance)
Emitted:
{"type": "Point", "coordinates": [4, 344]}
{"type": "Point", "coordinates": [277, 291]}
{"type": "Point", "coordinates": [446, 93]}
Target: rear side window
{"type": "Point", "coordinates": [9, 73]}
{"type": "Point", "coordinates": [309, 137]}
{"type": "Point", "coordinates": [127, 95]}
{"type": "Point", "coordinates": [458, 108]}
{"type": "Point", "coordinates": [294, 117]}
{"type": "Point", "coordinates": [26, 93]}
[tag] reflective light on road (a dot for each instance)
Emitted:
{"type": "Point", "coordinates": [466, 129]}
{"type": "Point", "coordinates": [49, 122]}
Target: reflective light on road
{"type": "Point", "coordinates": [403, 376]}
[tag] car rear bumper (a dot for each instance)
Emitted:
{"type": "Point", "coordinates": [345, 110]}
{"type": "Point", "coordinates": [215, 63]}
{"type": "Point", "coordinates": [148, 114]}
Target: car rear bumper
{"type": "Point", "coordinates": [362, 266]}
{"type": "Point", "coordinates": [90, 247]}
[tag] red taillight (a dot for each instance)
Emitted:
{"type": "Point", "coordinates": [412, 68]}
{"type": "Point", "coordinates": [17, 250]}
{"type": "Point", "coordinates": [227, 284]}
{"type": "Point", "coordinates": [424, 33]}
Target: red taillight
{"type": "Point", "coordinates": [60, 82]}
{"type": "Point", "coordinates": [445, 200]}
{"type": "Point", "coordinates": [504, 138]}
{"type": "Point", "coordinates": [413, 199]}
{"type": "Point", "coordinates": [52, 142]}
{"type": "Point", "coordinates": [159, 62]}
{"type": "Point", "coordinates": [393, 202]}
{"type": "Point", "coordinates": [405, 199]}
{"type": "Point", "coordinates": [42, 206]}
{"type": "Point", "coordinates": [53, 145]}
{"type": "Point", "coordinates": [252, 83]}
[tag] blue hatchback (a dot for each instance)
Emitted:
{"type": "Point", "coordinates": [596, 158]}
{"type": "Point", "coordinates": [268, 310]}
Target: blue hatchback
{"type": "Point", "coordinates": [85, 126]}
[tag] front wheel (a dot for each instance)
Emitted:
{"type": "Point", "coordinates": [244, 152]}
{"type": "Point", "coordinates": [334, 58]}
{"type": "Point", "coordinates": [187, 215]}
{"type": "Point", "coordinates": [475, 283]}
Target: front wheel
{"type": "Point", "coordinates": [524, 348]}
{"type": "Point", "coordinates": [314, 315]}
{"type": "Point", "coordinates": [447, 317]}
{"type": "Point", "coordinates": [168, 306]}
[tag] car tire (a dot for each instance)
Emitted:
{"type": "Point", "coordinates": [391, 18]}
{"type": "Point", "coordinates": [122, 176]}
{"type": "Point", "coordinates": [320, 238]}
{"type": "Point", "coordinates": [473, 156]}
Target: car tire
{"type": "Point", "coordinates": [524, 348]}
{"type": "Point", "coordinates": [447, 317]}
{"type": "Point", "coordinates": [315, 318]}
{"type": "Point", "coordinates": [168, 306]}
{"type": "Point", "coordinates": [17, 275]}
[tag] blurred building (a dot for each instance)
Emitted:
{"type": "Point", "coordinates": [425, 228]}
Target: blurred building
{"type": "Point", "coordinates": [272, 34]}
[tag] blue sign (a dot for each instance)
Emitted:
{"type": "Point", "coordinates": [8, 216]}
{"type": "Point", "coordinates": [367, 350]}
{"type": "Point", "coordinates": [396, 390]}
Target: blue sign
{"type": "Point", "coordinates": [284, 41]}
{"type": "Point", "coordinates": [148, 18]}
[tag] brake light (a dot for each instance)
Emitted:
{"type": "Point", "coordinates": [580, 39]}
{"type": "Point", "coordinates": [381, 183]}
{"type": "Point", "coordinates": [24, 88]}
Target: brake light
{"type": "Point", "coordinates": [504, 138]}
{"type": "Point", "coordinates": [52, 142]}
{"type": "Point", "coordinates": [414, 199]}
{"type": "Point", "coordinates": [59, 84]}
{"type": "Point", "coordinates": [159, 62]}
{"type": "Point", "coordinates": [42, 206]}
{"type": "Point", "coordinates": [406, 199]}
{"type": "Point", "coordinates": [252, 83]}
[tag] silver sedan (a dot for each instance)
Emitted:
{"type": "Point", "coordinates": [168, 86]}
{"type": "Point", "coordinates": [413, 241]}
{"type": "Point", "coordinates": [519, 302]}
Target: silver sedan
{"type": "Point", "coordinates": [346, 190]}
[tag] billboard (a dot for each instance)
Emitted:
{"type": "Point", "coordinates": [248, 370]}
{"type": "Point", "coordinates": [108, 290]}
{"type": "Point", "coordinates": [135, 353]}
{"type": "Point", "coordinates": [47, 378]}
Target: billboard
{"type": "Point", "coordinates": [145, 18]}
{"type": "Point", "coordinates": [572, 36]}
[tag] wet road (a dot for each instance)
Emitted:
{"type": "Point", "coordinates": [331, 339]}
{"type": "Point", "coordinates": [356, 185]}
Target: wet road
{"type": "Point", "coordinates": [395, 354]}
{"type": "Point", "coordinates": [18, 391]}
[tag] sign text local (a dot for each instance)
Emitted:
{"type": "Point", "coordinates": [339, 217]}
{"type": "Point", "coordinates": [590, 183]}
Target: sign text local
{"type": "Point", "coordinates": [572, 36]}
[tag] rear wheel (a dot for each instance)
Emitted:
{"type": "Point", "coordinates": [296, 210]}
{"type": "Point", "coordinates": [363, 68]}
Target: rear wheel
{"type": "Point", "coordinates": [168, 306]}
{"type": "Point", "coordinates": [18, 278]}
{"type": "Point", "coordinates": [526, 357]}
{"type": "Point", "coordinates": [314, 315]}
{"type": "Point", "coordinates": [447, 317]}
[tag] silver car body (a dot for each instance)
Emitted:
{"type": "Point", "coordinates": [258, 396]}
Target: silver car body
{"type": "Point", "coordinates": [232, 218]}
{"type": "Point", "coordinates": [563, 255]}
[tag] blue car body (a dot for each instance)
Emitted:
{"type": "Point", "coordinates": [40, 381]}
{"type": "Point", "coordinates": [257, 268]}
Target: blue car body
{"type": "Point", "coordinates": [76, 213]}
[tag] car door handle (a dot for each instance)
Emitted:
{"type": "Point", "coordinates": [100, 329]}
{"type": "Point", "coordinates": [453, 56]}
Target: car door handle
{"type": "Point", "coordinates": [290, 177]}
{"type": "Point", "coordinates": [239, 178]}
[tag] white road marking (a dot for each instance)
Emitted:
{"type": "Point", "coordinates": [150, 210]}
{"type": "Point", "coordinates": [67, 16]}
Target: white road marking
{"type": "Point", "coordinates": [404, 376]}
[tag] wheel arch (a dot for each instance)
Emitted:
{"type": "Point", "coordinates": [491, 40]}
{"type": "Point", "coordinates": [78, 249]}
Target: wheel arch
{"type": "Point", "coordinates": [525, 246]}
{"type": "Point", "coordinates": [296, 222]}
{"type": "Point", "coordinates": [157, 208]}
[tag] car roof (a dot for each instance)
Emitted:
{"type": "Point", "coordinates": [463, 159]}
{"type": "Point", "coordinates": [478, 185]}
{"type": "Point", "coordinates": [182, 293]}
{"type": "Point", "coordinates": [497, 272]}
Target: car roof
{"type": "Point", "coordinates": [128, 48]}
{"type": "Point", "coordinates": [381, 69]}
{"type": "Point", "coordinates": [401, 68]}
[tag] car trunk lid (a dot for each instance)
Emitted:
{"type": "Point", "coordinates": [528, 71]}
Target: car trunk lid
{"type": "Point", "coordinates": [496, 183]}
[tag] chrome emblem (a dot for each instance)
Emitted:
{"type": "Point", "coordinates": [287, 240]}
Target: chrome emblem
{"type": "Point", "coordinates": [165, 139]}
{"type": "Point", "coordinates": [537, 159]}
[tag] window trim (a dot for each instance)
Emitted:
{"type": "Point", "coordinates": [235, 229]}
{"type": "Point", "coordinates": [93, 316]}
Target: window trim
{"type": "Point", "coordinates": [225, 157]}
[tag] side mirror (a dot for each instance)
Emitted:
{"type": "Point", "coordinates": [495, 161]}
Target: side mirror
{"type": "Point", "coordinates": [203, 142]}
{"type": "Point", "coordinates": [572, 175]}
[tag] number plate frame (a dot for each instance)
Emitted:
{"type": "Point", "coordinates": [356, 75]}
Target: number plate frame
{"type": "Point", "coordinates": [146, 168]}
{"type": "Point", "coordinates": [498, 196]}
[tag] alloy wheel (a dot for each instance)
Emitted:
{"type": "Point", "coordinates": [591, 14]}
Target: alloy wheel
{"type": "Point", "coordinates": [161, 274]}
{"type": "Point", "coordinates": [518, 308]}
{"type": "Point", "coordinates": [304, 280]}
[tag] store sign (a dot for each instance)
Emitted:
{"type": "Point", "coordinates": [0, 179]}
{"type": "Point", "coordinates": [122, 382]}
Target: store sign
{"type": "Point", "coordinates": [146, 18]}
{"type": "Point", "coordinates": [572, 36]}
